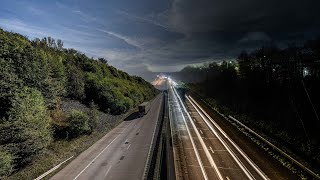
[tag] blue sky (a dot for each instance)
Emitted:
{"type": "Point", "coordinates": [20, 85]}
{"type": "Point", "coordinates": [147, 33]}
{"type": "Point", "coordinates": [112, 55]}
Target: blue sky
{"type": "Point", "coordinates": [144, 36]}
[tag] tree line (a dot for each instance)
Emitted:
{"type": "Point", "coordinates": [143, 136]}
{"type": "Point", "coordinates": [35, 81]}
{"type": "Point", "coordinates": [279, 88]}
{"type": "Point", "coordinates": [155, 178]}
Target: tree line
{"type": "Point", "coordinates": [275, 91]}
{"type": "Point", "coordinates": [35, 75]}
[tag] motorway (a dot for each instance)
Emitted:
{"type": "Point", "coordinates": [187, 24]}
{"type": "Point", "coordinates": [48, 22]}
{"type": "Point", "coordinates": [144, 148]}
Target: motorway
{"type": "Point", "coordinates": [120, 154]}
{"type": "Point", "coordinates": [203, 149]}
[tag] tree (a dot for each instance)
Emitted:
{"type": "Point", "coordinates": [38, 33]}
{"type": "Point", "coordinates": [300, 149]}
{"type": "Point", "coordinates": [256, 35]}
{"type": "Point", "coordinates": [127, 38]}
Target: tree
{"type": "Point", "coordinates": [244, 64]}
{"type": "Point", "coordinates": [27, 129]}
{"type": "Point", "coordinates": [59, 44]}
{"type": "Point", "coordinates": [75, 85]}
{"type": "Point", "coordinates": [103, 60]}
{"type": "Point", "coordinates": [78, 123]}
{"type": "Point", "coordinates": [9, 84]}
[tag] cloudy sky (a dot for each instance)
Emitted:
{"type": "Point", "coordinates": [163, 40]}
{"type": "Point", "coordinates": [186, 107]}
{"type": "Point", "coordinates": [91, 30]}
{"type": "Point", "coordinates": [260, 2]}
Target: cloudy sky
{"type": "Point", "coordinates": [143, 36]}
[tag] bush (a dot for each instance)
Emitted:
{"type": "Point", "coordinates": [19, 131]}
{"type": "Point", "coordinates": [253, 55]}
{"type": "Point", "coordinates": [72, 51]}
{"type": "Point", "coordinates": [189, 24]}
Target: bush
{"type": "Point", "coordinates": [59, 121]}
{"type": "Point", "coordinates": [27, 130]}
{"type": "Point", "coordinates": [78, 123]}
{"type": "Point", "coordinates": [6, 163]}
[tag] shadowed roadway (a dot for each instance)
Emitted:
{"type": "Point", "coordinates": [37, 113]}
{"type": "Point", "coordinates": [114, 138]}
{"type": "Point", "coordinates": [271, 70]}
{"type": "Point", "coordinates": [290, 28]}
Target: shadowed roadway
{"type": "Point", "coordinates": [120, 154]}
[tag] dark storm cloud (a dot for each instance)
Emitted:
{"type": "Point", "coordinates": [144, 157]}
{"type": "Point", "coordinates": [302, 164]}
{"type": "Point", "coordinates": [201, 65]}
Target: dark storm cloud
{"type": "Point", "coordinates": [244, 15]}
{"type": "Point", "coordinates": [142, 36]}
{"type": "Point", "coordinates": [222, 28]}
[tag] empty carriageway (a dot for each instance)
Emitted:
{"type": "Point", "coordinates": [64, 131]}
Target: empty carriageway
{"type": "Point", "coordinates": [219, 156]}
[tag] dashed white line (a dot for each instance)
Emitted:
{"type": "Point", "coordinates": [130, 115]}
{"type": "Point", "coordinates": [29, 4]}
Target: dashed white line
{"type": "Point", "coordinates": [212, 163]}
{"type": "Point", "coordinates": [244, 169]}
{"type": "Point", "coordinates": [191, 139]}
{"type": "Point", "coordinates": [107, 171]}
{"type": "Point", "coordinates": [95, 158]}
{"type": "Point", "coordinates": [128, 146]}
{"type": "Point", "coordinates": [99, 154]}
{"type": "Point", "coordinates": [211, 150]}
{"type": "Point", "coordinates": [257, 169]}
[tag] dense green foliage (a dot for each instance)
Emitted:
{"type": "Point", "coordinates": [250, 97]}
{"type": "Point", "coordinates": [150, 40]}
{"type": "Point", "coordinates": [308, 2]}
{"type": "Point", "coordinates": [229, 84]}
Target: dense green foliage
{"type": "Point", "coordinates": [27, 128]}
{"type": "Point", "coordinates": [275, 91]}
{"type": "Point", "coordinates": [78, 123]}
{"type": "Point", "coordinates": [6, 163]}
{"type": "Point", "coordinates": [35, 75]}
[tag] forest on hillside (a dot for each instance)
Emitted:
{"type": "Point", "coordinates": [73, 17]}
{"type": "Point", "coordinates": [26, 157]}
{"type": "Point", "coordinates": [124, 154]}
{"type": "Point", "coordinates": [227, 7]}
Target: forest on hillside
{"type": "Point", "coordinates": [273, 90]}
{"type": "Point", "coordinates": [35, 75]}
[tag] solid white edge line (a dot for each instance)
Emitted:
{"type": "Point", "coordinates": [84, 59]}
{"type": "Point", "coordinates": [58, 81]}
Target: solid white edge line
{"type": "Point", "coordinates": [144, 175]}
{"type": "Point", "coordinates": [275, 147]}
{"type": "Point", "coordinates": [244, 169]}
{"type": "Point", "coordinates": [96, 157]}
{"type": "Point", "coordinates": [100, 153]}
{"type": "Point", "coordinates": [192, 142]}
{"type": "Point", "coordinates": [173, 146]}
{"type": "Point", "coordinates": [257, 169]}
{"type": "Point", "coordinates": [205, 148]}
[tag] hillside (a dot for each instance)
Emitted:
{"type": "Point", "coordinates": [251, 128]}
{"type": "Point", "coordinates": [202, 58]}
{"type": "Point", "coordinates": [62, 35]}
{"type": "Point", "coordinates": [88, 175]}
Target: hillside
{"type": "Point", "coordinates": [36, 76]}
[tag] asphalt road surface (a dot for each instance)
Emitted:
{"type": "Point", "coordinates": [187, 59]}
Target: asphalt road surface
{"type": "Point", "coordinates": [120, 154]}
{"type": "Point", "coordinates": [185, 150]}
{"type": "Point", "coordinates": [206, 152]}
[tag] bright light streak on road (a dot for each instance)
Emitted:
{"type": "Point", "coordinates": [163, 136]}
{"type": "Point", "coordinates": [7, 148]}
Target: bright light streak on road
{"type": "Point", "coordinates": [245, 170]}
{"type": "Point", "coordinates": [190, 136]}
{"type": "Point", "coordinates": [205, 148]}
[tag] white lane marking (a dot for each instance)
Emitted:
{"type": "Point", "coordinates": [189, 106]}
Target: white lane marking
{"type": "Point", "coordinates": [260, 172]}
{"type": "Point", "coordinates": [233, 155]}
{"type": "Point", "coordinates": [212, 133]}
{"type": "Point", "coordinates": [205, 148]}
{"type": "Point", "coordinates": [194, 120]}
{"type": "Point", "coordinates": [200, 131]}
{"type": "Point", "coordinates": [227, 178]}
{"type": "Point", "coordinates": [279, 150]}
{"type": "Point", "coordinates": [128, 146]}
{"type": "Point", "coordinates": [100, 153]}
{"type": "Point", "coordinates": [192, 142]}
{"type": "Point", "coordinates": [107, 171]}
{"type": "Point", "coordinates": [152, 140]}
{"type": "Point", "coordinates": [257, 169]}
{"type": "Point", "coordinates": [211, 150]}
